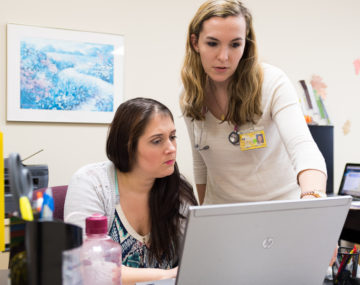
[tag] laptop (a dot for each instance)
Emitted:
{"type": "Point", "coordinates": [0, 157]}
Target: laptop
{"type": "Point", "coordinates": [273, 242]}
{"type": "Point", "coordinates": [350, 181]}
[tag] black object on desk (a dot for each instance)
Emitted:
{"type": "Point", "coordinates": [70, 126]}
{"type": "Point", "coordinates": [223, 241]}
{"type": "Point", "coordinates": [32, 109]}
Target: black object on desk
{"type": "Point", "coordinates": [36, 257]}
{"type": "Point", "coordinates": [40, 178]}
{"type": "Point", "coordinates": [351, 229]}
{"type": "Point", "coordinates": [324, 138]}
{"type": "Point", "coordinates": [45, 241]}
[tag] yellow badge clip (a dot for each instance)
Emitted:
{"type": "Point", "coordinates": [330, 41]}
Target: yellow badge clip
{"type": "Point", "coordinates": [252, 139]}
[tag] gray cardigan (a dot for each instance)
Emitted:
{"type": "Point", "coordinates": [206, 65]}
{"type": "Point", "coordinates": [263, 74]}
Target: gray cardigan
{"type": "Point", "coordinates": [91, 190]}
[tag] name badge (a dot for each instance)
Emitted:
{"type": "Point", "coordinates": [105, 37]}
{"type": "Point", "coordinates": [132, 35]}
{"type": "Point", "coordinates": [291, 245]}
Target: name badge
{"type": "Point", "coordinates": [252, 139]}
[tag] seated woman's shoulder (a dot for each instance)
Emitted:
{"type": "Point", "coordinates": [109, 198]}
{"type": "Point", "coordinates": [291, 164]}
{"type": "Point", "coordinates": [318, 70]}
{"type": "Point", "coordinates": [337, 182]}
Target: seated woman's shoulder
{"type": "Point", "coordinates": [95, 168]}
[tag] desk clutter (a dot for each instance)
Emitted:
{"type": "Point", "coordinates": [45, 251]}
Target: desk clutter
{"type": "Point", "coordinates": [39, 175]}
{"type": "Point", "coordinates": [52, 252]}
{"type": "Point", "coordinates": [36, 249]}
{"type": "Point", "coordinates": [346, 265]}
{"type": "Point", "coordinates": [45, 250]}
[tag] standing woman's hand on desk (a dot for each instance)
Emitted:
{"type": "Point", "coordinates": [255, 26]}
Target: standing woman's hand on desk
{"type": "Point", "coordinates": [130, 275]}
{"type": "Point", "coordinates": [333, 259]}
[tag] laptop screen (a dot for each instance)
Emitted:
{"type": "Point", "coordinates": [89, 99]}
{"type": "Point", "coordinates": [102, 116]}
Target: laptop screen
{"type": "Point", "coordinates": [350, 182]}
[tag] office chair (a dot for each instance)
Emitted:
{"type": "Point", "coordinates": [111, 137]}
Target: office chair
{"type": "Point", "coordinates": [59, 194]}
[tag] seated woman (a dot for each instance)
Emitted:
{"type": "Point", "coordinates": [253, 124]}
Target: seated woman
{"type": "Point", "coordinates": [140, 190]}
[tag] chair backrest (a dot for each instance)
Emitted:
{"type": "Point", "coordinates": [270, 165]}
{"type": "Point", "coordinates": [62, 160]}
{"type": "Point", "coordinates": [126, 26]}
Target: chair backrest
{"type": "Point", "coordinates": [59, 194]}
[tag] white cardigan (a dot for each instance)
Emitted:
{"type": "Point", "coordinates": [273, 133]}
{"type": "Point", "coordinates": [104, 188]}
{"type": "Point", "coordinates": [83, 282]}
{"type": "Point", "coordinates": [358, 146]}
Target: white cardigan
{"type": "Point", "coordinates": [91, 190]}
{"type": "Point", "coordinates": [270, 173]}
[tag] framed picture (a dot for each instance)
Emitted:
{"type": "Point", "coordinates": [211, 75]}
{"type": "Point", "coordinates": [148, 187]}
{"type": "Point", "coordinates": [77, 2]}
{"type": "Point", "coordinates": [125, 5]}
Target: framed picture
{"type": "Point", "coordinates": [57, 75]}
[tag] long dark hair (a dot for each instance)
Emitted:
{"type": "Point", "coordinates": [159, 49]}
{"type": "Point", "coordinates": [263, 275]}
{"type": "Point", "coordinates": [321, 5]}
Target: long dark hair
{"type": "Point", "coordinates": [168, 194]}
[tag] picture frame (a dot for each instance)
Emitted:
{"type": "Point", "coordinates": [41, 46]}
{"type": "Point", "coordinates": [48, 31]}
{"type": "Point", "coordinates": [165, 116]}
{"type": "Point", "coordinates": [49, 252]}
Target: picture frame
{"type": "Point", "coordinates": [59, 75]}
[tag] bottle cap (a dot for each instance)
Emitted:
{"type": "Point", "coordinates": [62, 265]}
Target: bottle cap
{"type": "Point", "coordinates": [96, 224]}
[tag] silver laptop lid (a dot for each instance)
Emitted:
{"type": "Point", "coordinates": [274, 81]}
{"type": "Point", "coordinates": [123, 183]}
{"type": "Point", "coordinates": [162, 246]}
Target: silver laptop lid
{"type": "Point", "coordinates": [277, 242]}
{"type": "Point", "coordinates": [350, 181]}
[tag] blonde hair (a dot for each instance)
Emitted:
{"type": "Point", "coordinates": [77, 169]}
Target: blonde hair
{"type": "Point", "coordinates": [244, 89]}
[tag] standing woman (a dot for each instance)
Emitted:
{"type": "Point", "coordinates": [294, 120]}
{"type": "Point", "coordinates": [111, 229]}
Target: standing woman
{"type": "Point", "coordinates": [229, 98]}
{"type": "Point", "coordinates": [139, 190]}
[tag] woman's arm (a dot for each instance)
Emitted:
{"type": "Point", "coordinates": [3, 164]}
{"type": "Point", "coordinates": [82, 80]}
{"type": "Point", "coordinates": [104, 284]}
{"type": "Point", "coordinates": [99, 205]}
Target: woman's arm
{"type": "Point", "coordinates": [312, 180]}
{"type": "Point", "coordinates": [199, 166]}
{"type": "Point", "coordinates": [295, 134]}
{"type": "Point", "coordinates": [130, 275]}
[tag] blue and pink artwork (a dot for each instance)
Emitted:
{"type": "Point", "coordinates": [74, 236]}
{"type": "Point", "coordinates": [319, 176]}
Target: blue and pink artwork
{"type": "Point", "coordinates": [67, 75]}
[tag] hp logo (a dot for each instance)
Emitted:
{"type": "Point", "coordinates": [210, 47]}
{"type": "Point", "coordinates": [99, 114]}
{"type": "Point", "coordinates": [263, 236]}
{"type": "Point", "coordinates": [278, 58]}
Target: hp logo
{"type": "Point", "coordinates": [268, 243]}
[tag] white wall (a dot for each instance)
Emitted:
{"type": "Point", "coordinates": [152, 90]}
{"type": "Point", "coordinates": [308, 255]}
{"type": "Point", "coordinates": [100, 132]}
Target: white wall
{"type": "Point", "coordinates": [301, 37]}
{"type": "Point", "coordinates": [318, 37]}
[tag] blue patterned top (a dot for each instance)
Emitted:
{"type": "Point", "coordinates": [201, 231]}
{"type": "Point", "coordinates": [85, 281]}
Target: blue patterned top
{"type": "Point", "coordinates": [135, 253]}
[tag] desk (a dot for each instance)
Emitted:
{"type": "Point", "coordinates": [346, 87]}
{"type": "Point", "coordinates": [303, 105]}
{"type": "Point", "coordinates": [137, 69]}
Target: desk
{"type": "Point", "coordinates": [351, 229]}
{"type": "Point", "coordinates": [4, 279]}
{"type": "Point", "coordinates": [354, 282]}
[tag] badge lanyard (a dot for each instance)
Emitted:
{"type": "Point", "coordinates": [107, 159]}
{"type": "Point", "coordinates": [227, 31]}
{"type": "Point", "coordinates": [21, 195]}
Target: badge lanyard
{"type": "Point", "coordinates": [248, 139]}
{"type": "Point", "coordinates": [234, 136]}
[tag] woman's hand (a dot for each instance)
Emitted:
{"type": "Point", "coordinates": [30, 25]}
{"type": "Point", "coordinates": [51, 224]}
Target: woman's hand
{"type": "Point", "coordinates": [308, 197]}
{"type": "Point", "coordinates": [170, 273]}
{"type": "Point", "coordinates": [130, 275]}
{"type": "Point", "coordinates": [116, 279]}
{"type": "Point", "coordinates": [334, 256]}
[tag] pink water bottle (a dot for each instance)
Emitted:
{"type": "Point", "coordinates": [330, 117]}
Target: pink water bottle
{"type": "Point", "coordinates": [100, 255]}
